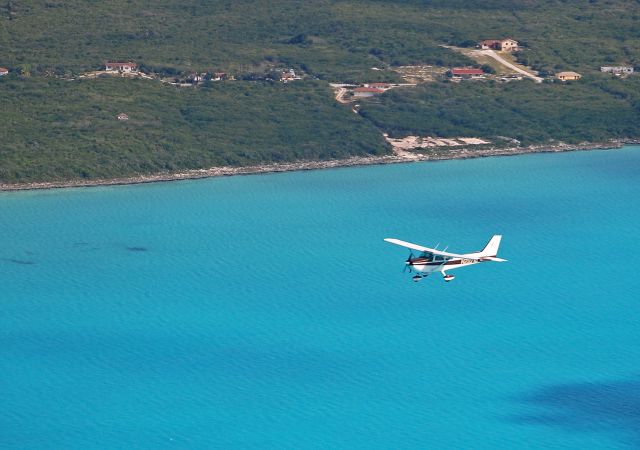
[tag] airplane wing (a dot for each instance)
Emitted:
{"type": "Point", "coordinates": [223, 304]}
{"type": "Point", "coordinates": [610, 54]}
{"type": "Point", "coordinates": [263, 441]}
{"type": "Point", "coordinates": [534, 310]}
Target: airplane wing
{"type": "Point", "coordinates": [420, 248]}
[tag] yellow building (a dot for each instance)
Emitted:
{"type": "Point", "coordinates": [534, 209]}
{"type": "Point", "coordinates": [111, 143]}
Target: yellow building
{"type": "Point", "coordinates": [568, 76]}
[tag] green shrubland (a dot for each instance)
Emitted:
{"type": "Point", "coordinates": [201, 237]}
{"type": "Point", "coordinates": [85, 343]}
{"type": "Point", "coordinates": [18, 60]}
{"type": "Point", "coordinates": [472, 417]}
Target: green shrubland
{"type": "Point", "coordinates": [333, 39]}
{"type": "Point", "coordinates": [593, 109]}
{"type": "Point", "coordinates": [55, 129]}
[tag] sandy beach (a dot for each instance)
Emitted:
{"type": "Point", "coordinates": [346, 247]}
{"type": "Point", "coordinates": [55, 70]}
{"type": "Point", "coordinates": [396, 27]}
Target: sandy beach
{"type": "Point", "coordinates": [397, 157]}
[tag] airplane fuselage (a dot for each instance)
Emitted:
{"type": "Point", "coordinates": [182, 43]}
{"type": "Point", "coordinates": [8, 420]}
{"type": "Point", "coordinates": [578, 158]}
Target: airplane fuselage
{"type": "Point", "coordinates": [433, 260]}
{"type": "Point", "coordinates": [427, 266]}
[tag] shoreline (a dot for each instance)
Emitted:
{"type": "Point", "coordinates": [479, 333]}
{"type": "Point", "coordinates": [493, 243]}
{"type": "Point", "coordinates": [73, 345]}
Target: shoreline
{"type": "Point", "coordinates": [396, 158]}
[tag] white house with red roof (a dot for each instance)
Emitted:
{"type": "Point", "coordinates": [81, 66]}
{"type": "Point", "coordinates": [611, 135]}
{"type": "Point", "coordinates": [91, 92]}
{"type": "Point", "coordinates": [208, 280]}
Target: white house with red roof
{"type": "Point", "coordinates": [4, 71]}
{"type": "Point", "coordinates": [460, 72]}
{"type": "Point", "coordinates": [504, 45]}
{"type": "Point", "coordinates": [121, 66]}
{"type": "Point", "coordinates": [367, 92]}
{"type": "Point", "coordinates": [289, 75]}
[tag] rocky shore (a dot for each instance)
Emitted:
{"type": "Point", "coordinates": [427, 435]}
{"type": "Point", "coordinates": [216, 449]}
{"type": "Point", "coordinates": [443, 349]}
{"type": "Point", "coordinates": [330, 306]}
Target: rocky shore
{"type": "Point", "coordinates": [397, 157]}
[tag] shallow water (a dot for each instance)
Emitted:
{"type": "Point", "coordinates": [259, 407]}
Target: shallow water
{"type": "Point", "coordinates": [266, 311]}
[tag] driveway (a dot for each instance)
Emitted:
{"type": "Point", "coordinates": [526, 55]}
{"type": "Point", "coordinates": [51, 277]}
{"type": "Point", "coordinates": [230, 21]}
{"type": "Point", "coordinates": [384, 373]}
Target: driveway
{"type": "Point", "coordinates": [504, 62]}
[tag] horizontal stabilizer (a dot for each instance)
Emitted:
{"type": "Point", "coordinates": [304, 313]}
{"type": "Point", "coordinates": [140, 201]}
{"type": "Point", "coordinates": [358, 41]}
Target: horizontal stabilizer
{"type": "Point", "coordinates": [493, 258]}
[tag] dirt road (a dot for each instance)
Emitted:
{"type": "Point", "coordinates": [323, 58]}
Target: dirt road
{"type": "Point", "coordinates": [504, 62]}
{"type": "Point", "coordinates": [340, 95]}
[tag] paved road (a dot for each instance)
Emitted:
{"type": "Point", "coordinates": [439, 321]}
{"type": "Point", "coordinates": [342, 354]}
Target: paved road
{"type": "Point", "coordinates": [504, 62]}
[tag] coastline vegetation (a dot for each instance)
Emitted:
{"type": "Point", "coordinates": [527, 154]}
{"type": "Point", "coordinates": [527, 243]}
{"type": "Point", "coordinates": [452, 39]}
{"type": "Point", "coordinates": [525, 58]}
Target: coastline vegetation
{"type": "Point", "coordinates": [57, 130]}
{"type": "Point", "coordinates": [53, 128]}
{"type": "Point", "coordinates": [595, 109]}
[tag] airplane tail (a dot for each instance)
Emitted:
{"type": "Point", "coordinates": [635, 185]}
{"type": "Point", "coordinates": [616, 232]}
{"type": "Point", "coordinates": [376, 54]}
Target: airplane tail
{"type": "Point", "coordinates": [491, 249]}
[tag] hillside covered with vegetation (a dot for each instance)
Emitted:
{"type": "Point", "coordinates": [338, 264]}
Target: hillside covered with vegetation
{"type": "Point", "coordinates": [592, 110]}
{"type": "Point", "coordinates": [56, 126]}
{"type": "Point", "coordinates": [56, 130]}
{"type": "Point", "coordinates": [334, 39]}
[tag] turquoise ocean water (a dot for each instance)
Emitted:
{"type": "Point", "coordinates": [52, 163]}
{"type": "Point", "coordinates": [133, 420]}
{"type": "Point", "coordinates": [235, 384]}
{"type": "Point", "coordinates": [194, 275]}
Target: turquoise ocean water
{"type": "Point", "coordinates": [267, 312]}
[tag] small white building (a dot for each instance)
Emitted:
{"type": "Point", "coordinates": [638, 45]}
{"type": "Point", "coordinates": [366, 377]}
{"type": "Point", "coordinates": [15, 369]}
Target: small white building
{"type": "Point", "coordinates": [383, 86]}
{"type": "Point", "coordinates": [3, 71]}
{"type": "Point", "coordinates": [197, 77]}
{"type": "Point", "coordinates": [289, 75]}
{"type": "Point", "coordinates": [366, 92]}
{"type": "Point", "coordinates": [617, 70]}
{"type": "Point", "coordinates": [121, 66]}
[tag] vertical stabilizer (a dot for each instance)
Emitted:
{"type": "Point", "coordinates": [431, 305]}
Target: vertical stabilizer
{"type": "Point", "coordinates": [491, 249]}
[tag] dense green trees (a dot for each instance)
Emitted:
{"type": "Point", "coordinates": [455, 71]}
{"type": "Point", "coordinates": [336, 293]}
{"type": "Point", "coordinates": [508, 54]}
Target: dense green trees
{"type": "Point", "coordinates": [334, 39]}
{"type": "Point", "coordinates": [593, 110]}
{"type": "Point", "coordinates": [54, 129]}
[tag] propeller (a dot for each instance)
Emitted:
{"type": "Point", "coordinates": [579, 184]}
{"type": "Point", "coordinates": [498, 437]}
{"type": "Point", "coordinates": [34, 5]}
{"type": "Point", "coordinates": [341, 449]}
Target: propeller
{"type": "Point", "coordinates": [407, 263]}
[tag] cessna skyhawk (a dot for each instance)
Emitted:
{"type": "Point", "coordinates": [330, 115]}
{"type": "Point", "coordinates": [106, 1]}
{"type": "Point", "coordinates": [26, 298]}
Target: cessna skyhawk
{"type": "Point", "coordinates": [432, 260]}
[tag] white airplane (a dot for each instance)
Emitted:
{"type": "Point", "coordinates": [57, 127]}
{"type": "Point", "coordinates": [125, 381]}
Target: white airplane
{"type": "Point", "coordinates": [433, 260]}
